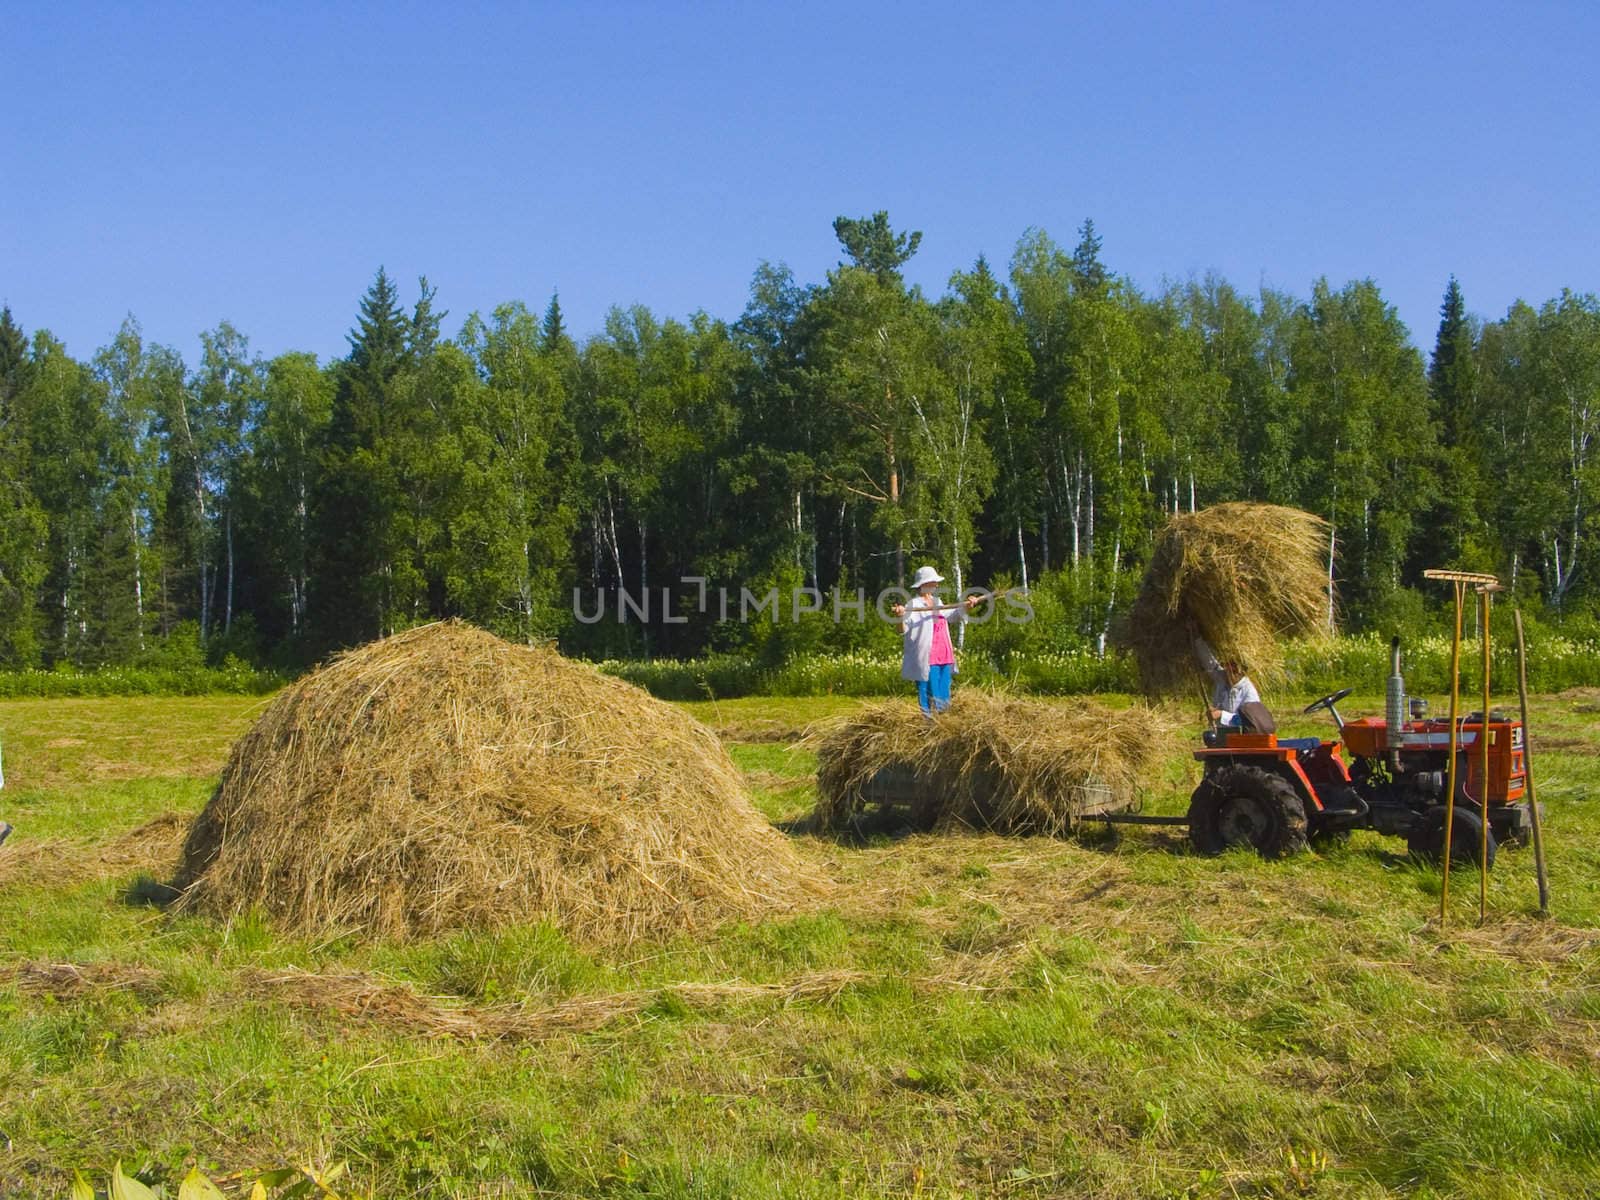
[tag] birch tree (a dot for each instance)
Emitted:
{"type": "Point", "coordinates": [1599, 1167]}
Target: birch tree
{"type": "Point", "coordinates": [1566, 379]}
{"type": "Point", "coordinates": [511, 520]}
{"type": "Point", "coordinates": [129, 593]}
{"type": "Point", "coordinates": [281, 480]}
{"type": "Point", "coordinates": [1368, 434]}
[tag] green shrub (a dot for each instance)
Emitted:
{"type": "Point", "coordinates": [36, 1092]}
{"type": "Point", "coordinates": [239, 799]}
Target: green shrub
{"type": "Point", "coordinates": [233, 677]}
{"type": "Point", "coordinates": [1361, 661]}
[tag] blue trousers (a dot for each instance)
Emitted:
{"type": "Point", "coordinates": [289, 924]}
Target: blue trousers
{"type": "Point", "coordinates": [933, 693]}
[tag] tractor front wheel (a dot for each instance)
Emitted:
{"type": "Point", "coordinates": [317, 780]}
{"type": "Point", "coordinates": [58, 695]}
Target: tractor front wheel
{"type": "Point", "coordinates": [1246, 806]}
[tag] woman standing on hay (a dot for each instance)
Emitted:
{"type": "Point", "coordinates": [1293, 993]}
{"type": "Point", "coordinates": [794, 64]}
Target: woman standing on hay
{"type": "Point", "coordinates": [929, 657]}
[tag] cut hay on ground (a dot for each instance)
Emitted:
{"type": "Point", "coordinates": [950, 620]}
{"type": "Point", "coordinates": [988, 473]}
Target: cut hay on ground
{"type": "Point", "coordinates": [1246, 576]}
{"type": "Point", "coordinates": [992, 761]}
{"type": "Point", "coordinates": [52, 862]}
{"type": "Point", "coordinates": [446, 779]}
{"type": "Point", "coordinates": [400, 1006]}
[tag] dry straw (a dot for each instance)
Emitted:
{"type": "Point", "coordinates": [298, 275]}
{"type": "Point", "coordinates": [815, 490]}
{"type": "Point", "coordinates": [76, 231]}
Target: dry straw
{"type": "Point", "coordinates": [53, 862]}
{"type": "Point", "coordinates": [1244, 576]}
{"type": "Point", "coordinates": [991, 761]}
{"type": "Point", "coordinates": [445, 779]}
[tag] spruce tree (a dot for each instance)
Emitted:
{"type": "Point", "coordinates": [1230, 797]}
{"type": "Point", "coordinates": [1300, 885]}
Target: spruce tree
{"type": "Point", "coordinates": [22, 522]}
{"type": "Point", "coordinates": [1458, 537]}
{"type": "Point", "coordinates": [1088, 272]}
{"type": "Point", "coordinates": [423, 333]}
{"type": "Point", "coordinates": [1451, 373]}
{"type": "Point", "coordinates": [14, 366]}
{"type": "Point", "coordinates": [356, 497]}
{"type": "Point", "coordinates": [553, 329]}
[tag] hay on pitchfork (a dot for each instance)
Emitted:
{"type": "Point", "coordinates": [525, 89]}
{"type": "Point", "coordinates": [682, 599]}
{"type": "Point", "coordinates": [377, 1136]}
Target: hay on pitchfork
{"type": "Point", "coordinates": [445, 779]}
{"type": "Point", "coordinates": [991, 761]}
{"type": "Point", "coordinates": [1245, 576]}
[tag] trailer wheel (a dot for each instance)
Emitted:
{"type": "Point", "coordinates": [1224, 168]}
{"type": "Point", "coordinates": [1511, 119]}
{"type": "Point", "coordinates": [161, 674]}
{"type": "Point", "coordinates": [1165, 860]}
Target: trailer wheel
{"type": "Point", "coordinates": [1426, 841]}
{"type": "Point", "coordinates": [1246, 806]}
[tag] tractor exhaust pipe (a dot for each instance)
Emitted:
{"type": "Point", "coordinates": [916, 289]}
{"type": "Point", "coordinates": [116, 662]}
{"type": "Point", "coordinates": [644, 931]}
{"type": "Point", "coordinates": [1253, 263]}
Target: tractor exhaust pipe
{"type": "Point", "coordinates": [1394, 707]}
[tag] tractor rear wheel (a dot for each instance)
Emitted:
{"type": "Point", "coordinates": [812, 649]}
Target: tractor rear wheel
{"type": "Point", "coordinates": [1246, 806]}
{"type": "Point", "coordinates": [1426, 841]}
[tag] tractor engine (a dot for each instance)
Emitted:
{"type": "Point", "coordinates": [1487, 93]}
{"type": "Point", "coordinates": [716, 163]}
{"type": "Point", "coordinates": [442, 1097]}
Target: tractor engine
{"type": "Point", "coordinates": [1401, 766]}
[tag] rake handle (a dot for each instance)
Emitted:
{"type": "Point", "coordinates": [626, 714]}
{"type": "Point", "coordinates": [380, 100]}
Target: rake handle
{"type": "Point", "coordinates": [977, 596]}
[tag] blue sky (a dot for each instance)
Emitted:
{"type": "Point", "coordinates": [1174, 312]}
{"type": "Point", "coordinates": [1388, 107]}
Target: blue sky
{"type": "Point", "coordinates": [190, 164]}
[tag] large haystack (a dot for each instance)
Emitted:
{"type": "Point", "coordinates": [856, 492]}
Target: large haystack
{"type": "Point", "coordinates": [445, 779]}
{"type": "Point", "coordinates": [1245, 576]}
{"type": "Point", "coordinates": [991, 761]}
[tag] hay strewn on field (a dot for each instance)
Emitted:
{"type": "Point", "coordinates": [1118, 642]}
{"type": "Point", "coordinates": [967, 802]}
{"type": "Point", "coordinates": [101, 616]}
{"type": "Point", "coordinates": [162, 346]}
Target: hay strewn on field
{"type": "Point", "coordinates": [1246, 576]}
{"type": "Point", "coordinates": [993, 761]}
{"type": "Point", "coordinates": [445, 779]}
{"type": "Point", "coordinates": [48, 862]}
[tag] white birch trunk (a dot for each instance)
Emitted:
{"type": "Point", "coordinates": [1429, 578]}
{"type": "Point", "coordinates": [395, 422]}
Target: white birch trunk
{"type": "Point", "coordinates": [1331, 543]}
{"type": "Point", "coordinates": [611, 519]}
{"type": "Point", "coordinates": [644, 582]}
{"type": "Point", "coordinates": [1088, 520]}
{"type": "Point", "coordinates": [138, 572]}
{"type": "Point", "coordinates": [1111, 598]}
{"type": "Point", "coordinates": [227, 616]}
{"type": "Point", "coordinates": [955, 553]}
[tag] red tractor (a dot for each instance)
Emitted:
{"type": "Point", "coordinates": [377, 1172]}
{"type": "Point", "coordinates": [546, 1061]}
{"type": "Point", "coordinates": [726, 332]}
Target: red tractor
{"type": "Point", "coordinates": [1388, 774]}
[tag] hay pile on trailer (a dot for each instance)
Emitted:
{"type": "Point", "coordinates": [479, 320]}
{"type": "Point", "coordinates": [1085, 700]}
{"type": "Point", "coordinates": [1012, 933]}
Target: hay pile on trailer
{"type": "Point", "coordinates": [1245, 576]}
{"type": "Point", "coordinates": [991, 762]}
{"type": "Point", "coordinates": [444, 779]}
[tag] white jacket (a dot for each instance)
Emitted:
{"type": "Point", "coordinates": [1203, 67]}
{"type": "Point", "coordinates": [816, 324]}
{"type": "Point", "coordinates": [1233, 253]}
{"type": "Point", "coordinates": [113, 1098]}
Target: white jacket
{"type": "Point", "coordinates": [1228, 698]}
{"type": "Point", "coordinates": [918, 627]}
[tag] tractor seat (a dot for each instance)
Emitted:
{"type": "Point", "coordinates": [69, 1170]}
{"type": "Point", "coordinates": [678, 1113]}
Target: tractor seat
{"type": "Point", "coordinates": [1304, 745]}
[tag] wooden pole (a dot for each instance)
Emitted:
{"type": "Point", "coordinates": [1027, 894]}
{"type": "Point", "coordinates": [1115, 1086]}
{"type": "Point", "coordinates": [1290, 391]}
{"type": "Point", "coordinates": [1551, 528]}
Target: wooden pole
{"type": "Point", "coordinates": [1483, 768]}
{"type": "Point", "coordinates": [1010, 591]}
{"type": "Point", "coordinates": [1527, 766]}
{"type": "Point", "coordinates": [1455, 730]}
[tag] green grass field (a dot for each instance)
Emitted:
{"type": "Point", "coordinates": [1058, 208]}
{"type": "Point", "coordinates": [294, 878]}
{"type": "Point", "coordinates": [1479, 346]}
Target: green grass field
{"type": "Point", "coordinates": [973, 1015]}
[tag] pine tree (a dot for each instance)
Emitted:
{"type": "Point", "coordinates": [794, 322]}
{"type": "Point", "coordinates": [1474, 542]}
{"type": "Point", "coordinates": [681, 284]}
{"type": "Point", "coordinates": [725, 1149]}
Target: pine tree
{"type": "Point", "coordinates": [873, 348]}
{"type": "Point", "coordinates": [872, 245]}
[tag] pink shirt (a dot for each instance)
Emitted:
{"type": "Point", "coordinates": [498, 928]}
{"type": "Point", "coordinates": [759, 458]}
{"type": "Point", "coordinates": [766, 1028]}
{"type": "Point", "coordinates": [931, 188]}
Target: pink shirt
{"type": "Point", "coordinates": [942, 653]}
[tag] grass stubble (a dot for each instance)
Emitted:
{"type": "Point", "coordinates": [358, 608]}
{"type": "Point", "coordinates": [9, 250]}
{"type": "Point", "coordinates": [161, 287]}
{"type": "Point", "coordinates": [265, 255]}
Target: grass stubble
{"type": "Point", "coordinates": [963, 1014]}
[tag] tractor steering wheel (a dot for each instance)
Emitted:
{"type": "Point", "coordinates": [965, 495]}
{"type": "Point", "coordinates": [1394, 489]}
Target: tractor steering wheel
{"type": "Point", "coordinates": [1327, 702]}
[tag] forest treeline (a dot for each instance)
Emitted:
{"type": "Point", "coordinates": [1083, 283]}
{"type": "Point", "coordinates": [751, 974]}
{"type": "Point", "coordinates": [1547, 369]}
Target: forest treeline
{"type": "Point", "coordinates": [1034, 426]}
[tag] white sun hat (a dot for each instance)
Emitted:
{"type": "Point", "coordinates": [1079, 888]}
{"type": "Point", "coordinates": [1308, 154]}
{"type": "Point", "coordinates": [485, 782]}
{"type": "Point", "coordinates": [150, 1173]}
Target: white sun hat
{"type": "Point", "coordinates": [925, 575]}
